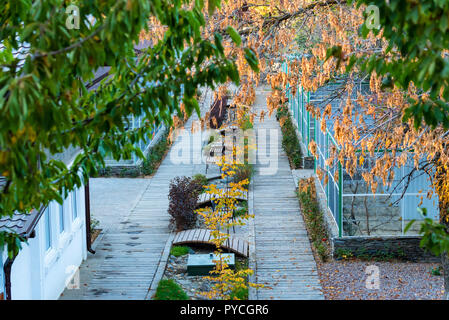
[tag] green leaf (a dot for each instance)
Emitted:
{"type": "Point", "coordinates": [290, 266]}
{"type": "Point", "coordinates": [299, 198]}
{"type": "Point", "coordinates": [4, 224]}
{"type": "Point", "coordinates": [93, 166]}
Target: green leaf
{"type": "Point", "coordinates": [212, 5]}
{"type": "Point", "coordinates": [252, 60]}
{"type": "Point", "coordinates": [408, 226]}
{"type": "Point", "coordinates": [443, 23]}
{"type": "Point", "coordinates": [235, 36]}
{"type": "Point", "coordinates": [52, 95]}
{"type": "Point", "coordinates": [422, 211]}
{"type": "Point", "coordinates": [415, 14]}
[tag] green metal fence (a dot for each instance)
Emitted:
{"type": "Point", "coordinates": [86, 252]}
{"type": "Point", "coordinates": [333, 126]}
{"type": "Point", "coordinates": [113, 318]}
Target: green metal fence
{"type": "Point", "coordinates": [358, 210]}
{"type": "Point", "coordinates": [308, 128]}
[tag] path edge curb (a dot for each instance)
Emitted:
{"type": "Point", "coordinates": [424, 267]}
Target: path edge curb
{"type": "Point", "coordinates": [160, 268]}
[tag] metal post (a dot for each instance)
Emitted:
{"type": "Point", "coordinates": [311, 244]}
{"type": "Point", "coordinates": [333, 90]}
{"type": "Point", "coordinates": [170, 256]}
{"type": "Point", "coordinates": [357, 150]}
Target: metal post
{"type": "Point", "coordinates": [340, 202]}
{"type": "Point", "coordinates": [302, 115]}
{"type": "Point", "coordinates": [326, 150]}
{"type": "Point", "coordinates": [308, 127]}
{"type": "Point", "coordinates": [315, 136]}
{"type": "Point", "coordinates": [316, 161]}
{"type": "Point", "coordinates": [297, 105]}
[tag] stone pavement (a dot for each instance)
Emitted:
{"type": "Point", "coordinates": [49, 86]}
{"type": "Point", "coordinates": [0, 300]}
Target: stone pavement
{"type": "Point", "coordinates": [112, 199]}
{"type": "Point", "coordinates": [132, 252]}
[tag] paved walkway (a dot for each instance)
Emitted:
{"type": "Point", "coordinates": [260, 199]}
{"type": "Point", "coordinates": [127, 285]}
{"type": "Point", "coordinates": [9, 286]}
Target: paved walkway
{"type": "Point", "coordinates": [112, 199]}
{"type": "Point", "coordinates": [128, 254]}
{"type": "Point", "coordinates": [284, 262]}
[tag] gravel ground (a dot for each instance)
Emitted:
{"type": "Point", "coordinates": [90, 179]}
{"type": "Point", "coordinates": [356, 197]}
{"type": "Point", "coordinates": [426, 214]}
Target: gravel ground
{"type": "Point", "coordinates": [176, 269]}
{"type": "Point", "coordinates": [346, 280]}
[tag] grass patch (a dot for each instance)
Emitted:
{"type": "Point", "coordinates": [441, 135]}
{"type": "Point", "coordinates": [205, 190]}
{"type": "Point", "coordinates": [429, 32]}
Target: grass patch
{"type": "Point", "coordinates": [240, 293]}
{"type": "Point", "coordinates": [243, 210]}
{"type": "Point", "coordinates": [170, 290]}
{"type": "Point", "coordinates": [314, 218]}
{"type": "Point", "coordinates": [290, 141]}
{"type": "Point", "coordinates": [178, 251]}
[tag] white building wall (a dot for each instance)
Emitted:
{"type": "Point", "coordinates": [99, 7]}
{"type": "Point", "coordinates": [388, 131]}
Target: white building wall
{"type": "Point", "coordinates": [21, 272]}
{"type": "Point", "coordinates": [38, 273]}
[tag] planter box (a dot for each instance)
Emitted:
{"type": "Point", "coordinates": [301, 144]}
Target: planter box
{"type": "Point", "coordinates": [202, 264]}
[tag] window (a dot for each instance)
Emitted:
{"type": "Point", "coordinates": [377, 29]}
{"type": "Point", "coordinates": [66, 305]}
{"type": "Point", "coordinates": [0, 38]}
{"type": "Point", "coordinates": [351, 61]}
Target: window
{"type": "Point", "coordinates": [74, 204]}
{"type": "Point", "coordinates": [47, 227]}
{"type": "Point", "coordinates": [61, 218]}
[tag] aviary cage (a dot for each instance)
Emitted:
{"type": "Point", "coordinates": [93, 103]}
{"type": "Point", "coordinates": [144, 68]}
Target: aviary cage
{"type": "Point", "coordinates": [356, 209]}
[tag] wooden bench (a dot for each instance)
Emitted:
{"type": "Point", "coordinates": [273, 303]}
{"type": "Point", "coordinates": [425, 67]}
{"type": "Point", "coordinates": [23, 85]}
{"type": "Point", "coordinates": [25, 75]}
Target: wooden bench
{"type": "Point", "coordinates": [213, 159]}
{"type": "Point", "coordinates": [203, 236]}
{"type": "Point", "coordinates": [218, 112]}
{"type": "Point", "coordinates": [216, 150]}
{"type": "Point", "coordinates": [205, 198]}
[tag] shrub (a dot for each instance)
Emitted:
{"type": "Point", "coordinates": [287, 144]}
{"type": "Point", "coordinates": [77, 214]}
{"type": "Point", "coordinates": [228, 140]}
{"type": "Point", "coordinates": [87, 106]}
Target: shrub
{"type": "Point", "coordinates": [314, 218]}
{"type": "Point", "coordinates": [343, 254]}
{"type": "Point", "coordinates": [149, 164]}
{"type": "Point", "coordinates": [243, 171]}
{"type": "Point", "coordinates": [178, 251]}
{"type": "Point", "coordinates": [170, 290]}
{"type": "Point", "coordinates": [129, 172]}
{"type": "Point", "coordinates": [201, 180]}
{"type": "Point", "coordinates": [245, 123]}
{"type": "Point", "coordinates": [183, 196]}
{"type": "Point", "coordinates": [386, 254]}
{"type": "Point", "coordinates": [436, 271]}
{"type": "Point", "coordinates": [155, 156]}
{"type": "Point", "coordinates": [105, 172]}
{"type": "Point", "coordinates": [281, 112]}
{"type": "Point", "coordinates": [290, 141]}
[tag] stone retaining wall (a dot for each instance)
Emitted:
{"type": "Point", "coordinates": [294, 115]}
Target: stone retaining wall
{"type": "Point", "coordinates": [403, 247]}
{"type": "Point", "coordinates": [129, 167]}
